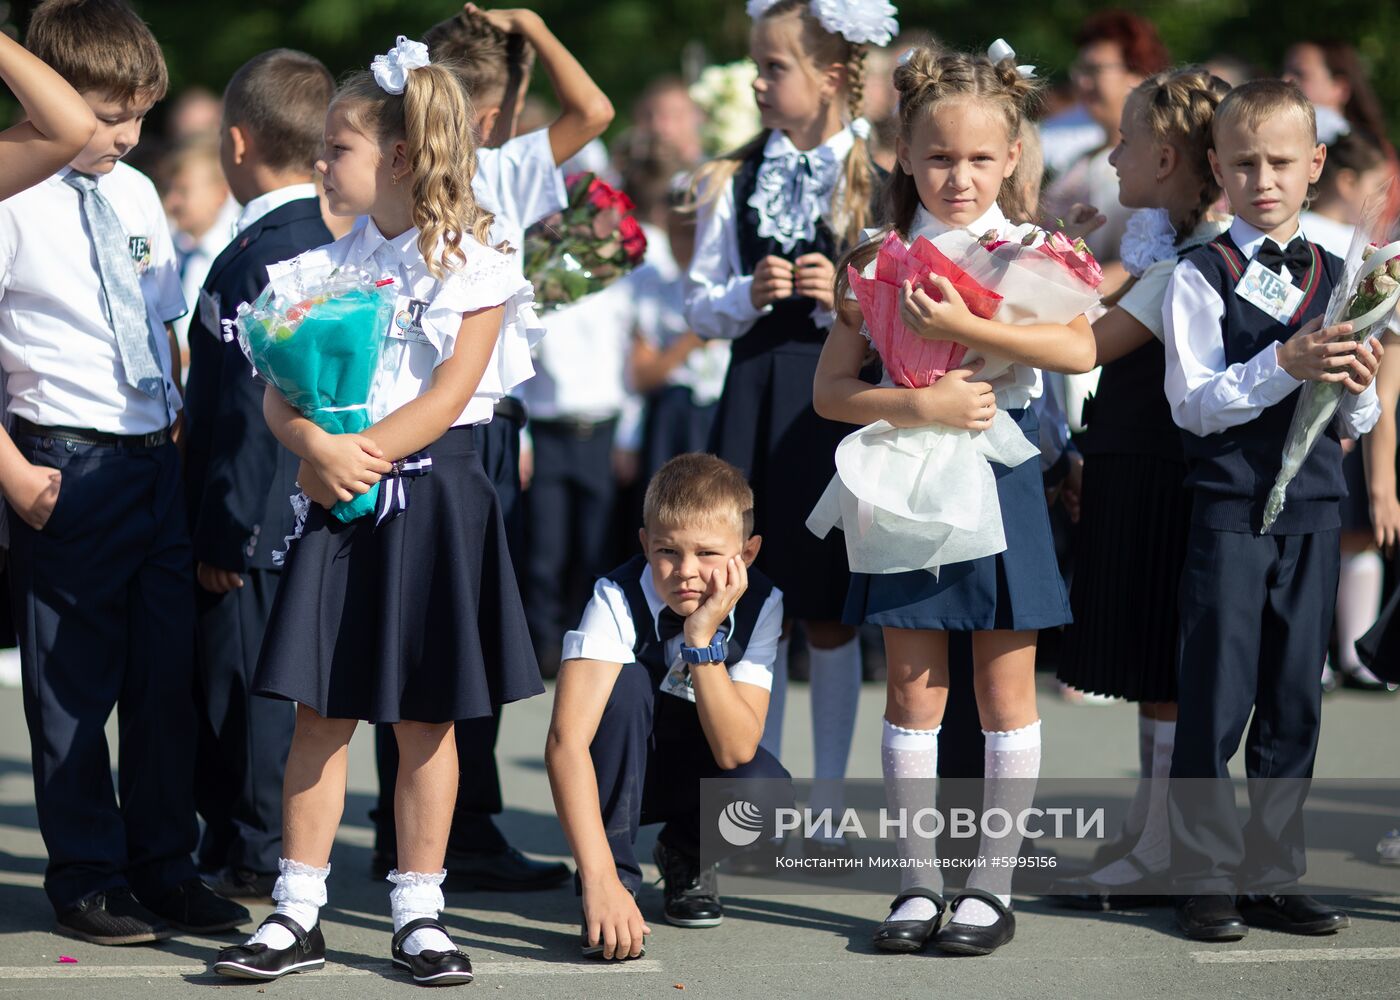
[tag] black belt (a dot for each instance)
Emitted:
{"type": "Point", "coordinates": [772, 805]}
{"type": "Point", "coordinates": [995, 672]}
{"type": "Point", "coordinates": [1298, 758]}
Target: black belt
{"type": "Point", "coordinates": [83, 435]}
{"type": "Point", "coordinates": [512, 409]}
{"type": "Point", "coordinates": [581, 430]}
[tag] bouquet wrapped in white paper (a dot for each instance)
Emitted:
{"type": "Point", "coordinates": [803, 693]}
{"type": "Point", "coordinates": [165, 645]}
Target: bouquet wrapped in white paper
{"type": "Point", "coordinates": [917, 498]}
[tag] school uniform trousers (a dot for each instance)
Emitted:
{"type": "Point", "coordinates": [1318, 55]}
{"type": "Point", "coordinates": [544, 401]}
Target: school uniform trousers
{"type": "Point", "coordinates": [238, 483]}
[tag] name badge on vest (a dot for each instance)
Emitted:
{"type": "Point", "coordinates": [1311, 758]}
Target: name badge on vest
{"type": "Point", "coordinates": [209, 313]}
{"type": "Point", "coordinates": [678, 680]}
{"type": "Point", "coordinates": [408, 323]}
{"type": "Point", "coordinates": [1269, 292]}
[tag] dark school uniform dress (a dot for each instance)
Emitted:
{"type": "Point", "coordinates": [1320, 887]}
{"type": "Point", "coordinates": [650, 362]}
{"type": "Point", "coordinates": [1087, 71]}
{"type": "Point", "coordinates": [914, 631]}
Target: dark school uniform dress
{"type": "Point", "coordinates": [238, 484]}
{"type": "Point", "coordinates": [765, 424]}
{"type": "Point", "coordinates": [649, 752]}
{"type": "Point", "coordinates": [417, 617]}
{"type": "Point", "coordinates": [1256, 609]}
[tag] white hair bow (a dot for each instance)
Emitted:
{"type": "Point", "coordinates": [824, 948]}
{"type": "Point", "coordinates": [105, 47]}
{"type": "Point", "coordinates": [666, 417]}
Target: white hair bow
{"type": "Point", "coordinates": [860, 22]}
{"type": "Point", "coordinates": [391, 69]}
{"type": "Point", "coordinates": [1000, 50]}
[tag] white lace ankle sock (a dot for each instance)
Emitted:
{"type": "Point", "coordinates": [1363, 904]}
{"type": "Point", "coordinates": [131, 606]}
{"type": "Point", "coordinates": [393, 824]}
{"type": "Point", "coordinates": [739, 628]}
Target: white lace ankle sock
{"type": "Point", "coordinates": [1358, 604]}
{"type": "Point", "coordinates": [835, 699]}
{"type": "Point", "coordinates": [1153, 849]}
{"type": "Point", "coordinates": [415, 895]}
{"type": "Point", "coordinates": [909, 760]}
{"type": "Point", "coordinates": [772, 739]}
{"type": "Point", "coordinates": [300, 892]}
{"type": "Point", "coordinates": [1012, 765]}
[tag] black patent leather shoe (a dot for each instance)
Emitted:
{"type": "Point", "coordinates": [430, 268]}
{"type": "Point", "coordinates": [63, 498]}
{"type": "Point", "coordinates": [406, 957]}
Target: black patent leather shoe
{"type": "Point", "coordinates": [691, 890]}
{"type": "Point", "coordinates": [964, 939]}
{"type": "Point", "coordinates": [501, 871]}
{"type": "Point", "coordinates": [1210, 918]}
{"type": "Point", "coordinates": [1295, 914]}
{"type": "Point", "coordinates": [258, 961]}
{"type": "Point", "coordinates": [909, 935]}
{"type": "Point", "coordinates": [430, 968]}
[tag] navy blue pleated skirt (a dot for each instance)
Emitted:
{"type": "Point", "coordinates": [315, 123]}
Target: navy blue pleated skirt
{"type": "Point", "coordinates": [1356, 505]}
{"type": "Point", "coordinates": [1019, 589]}
{"type": "Point", "coordinates": [418, 619]}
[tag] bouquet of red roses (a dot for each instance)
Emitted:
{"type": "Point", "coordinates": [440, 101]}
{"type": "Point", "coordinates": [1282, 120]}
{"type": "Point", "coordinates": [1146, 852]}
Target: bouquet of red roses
{"type": "Point", "coordinates": [595, 241]}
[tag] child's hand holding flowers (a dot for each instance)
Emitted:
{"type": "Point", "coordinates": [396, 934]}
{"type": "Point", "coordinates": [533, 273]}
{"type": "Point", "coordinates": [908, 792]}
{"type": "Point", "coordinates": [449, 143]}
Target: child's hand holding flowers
{"type": "Point", "coordinates": [930, 318]}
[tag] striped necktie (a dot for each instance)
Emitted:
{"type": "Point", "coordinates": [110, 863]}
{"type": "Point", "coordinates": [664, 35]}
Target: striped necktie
{"type": "Point", "coordinates": [126, 306]}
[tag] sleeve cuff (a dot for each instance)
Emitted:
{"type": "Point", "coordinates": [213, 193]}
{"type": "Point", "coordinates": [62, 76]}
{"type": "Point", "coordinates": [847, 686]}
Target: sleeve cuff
{"type": "Point", "coordinates": [749, 672]}
{"type": "Point", "coordinates": [1271, 382]}
{"type": "Point", "coordinates": [581, 646]}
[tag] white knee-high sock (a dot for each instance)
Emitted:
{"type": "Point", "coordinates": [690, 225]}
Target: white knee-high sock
{"type": "Point", "coordinates": [1136, 819]}
{"type": "Point", "coordinates": [835, 700]}
{"type": "Point", "coordinates": [1358, 603]}
{"type": "Point", "coordinates": [1012, 766]}
{"type": "Point", "coordinates": [909, 760]}
{"type": "Point", "coordinates": [1153, 849]}
{"type": "Point", "coordinates": [300, 892]}
{"type": "Point", "coordinates": [772, 739]}
{"type": "Point", "coordinates": [416, 895]}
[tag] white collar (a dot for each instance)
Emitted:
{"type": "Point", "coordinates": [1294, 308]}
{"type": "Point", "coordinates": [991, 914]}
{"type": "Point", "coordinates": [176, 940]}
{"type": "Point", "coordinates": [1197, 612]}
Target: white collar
{"type": "Point", "coordinates": [928, 225]}
{"type": "Point", "coordinates": [265, 204]}
{"type": "Point", "coordinates": [836, 147]}
{"type": "Point", "coordinates": [1250, 239]}
{"type": "Point", "coordinates": [368, 240]}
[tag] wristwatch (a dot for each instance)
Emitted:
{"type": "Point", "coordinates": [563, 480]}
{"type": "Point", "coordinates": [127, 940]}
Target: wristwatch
{"type": "Point", "coordinates": [715, 652]}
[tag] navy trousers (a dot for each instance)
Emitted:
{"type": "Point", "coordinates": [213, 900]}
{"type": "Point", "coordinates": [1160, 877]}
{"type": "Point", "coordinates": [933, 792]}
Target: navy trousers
{"type": "Point", "coordinates": [1256, 613]}
{"type": "Point", "coordinates": [105, 619]}
{"type": "Point", "coordinates": [650, 755]}
{"type": "Point", "coordinates": [569, 512]}
{"type": "Point", "coordinates": [243, 741]}
{"type": "Point", "coordinates": [479, 779]}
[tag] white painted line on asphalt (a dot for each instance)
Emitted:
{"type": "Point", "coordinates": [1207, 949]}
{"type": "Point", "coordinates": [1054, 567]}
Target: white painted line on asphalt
{"type": "Point", "coordinates": [485, 970]}
{"type": "Point", "coordinates": [1296, 955]}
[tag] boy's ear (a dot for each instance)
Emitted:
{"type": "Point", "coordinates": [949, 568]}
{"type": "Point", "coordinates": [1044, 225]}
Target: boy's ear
{"type": "Point", "coordinates": [750, 549]}
{"type": "Point", "coordinates": [642, 537]}
{"type": "Point", "coordinates": [1215, 167]}
{"type": "Point", "coordinates": [238, 144]}
{"type": "Point", "coordinates": [1319, 157]}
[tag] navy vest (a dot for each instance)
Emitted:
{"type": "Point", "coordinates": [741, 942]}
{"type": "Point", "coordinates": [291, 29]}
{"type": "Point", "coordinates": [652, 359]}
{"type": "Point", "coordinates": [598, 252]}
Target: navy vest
{"type": "Point", "coordinates": [790, 321]}
{"type": "Point", "coordinates": [1232, 472]}
{"type": "Point", "coordinates": [1128, 414]}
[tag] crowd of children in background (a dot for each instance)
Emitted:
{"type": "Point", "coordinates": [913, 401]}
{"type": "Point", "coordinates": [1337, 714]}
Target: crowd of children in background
{"type": "Point", "coordinates": [552, 436]}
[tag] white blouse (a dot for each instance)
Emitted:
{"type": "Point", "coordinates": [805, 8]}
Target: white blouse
{"type": "Point", "coordinates": [414, 348]}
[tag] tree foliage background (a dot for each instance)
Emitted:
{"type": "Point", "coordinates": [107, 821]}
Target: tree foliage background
{"type": "Point", "coordinates": [625, 43]}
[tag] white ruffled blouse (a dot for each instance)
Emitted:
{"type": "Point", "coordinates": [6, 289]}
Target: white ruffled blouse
{"type": "Point", "coordinates": [428, 315]}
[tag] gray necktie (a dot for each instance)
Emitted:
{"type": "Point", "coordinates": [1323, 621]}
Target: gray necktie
{"type": "Point", "coordinates": [126, 306]}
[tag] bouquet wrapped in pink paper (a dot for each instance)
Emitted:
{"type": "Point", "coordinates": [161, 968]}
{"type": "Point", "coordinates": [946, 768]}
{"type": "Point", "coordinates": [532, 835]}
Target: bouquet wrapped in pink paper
{"type": "Point", "coordinates": [918, 498]}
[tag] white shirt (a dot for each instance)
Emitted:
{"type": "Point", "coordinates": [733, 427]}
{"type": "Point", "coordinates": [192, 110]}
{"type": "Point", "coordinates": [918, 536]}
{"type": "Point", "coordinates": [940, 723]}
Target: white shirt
{"type": "Point", "coordinates": [718, 302]}
{"type": "Point", "coordinates": [520, 184]}
{"type": "Point", "coordinates": [1208, 396]}
{"type": "Point", "coordinates": [271, 201]}
{"type": "Point", "coordinates": [580, 365]}
{"type": "Point", "coordinates": [198, 259]}
{"type": "Point", "coordinates": [608, 633]}
{"type": "Point", "coordinates": [57, 347]}
{"type": "Point", "coordinates": [412, 351]}
{"type": "Point", "coordinates": [661, 322]}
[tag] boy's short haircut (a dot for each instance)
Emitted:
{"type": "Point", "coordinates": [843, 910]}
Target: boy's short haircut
{"type": "Point", "coordinates": [280, 97]}
{"type": "Point", "coordinates": [1252, 103]}
{"type": "Point", "coordinates": [698, 488]}
{"type": "Point", "coordinates": [489, 62]}
{"type": "Point", "coordinates": [101, 46]}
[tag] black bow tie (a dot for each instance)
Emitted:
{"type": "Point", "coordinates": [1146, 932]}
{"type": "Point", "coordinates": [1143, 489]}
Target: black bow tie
{"type": "Point", "coordinates": [1296, 256]}
{"type": "Point", "coordinates": [669, 624]}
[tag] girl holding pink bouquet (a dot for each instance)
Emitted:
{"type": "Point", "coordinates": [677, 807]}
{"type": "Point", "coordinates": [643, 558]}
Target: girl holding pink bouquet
{"type": "Point", "coordinates": [959, 117]}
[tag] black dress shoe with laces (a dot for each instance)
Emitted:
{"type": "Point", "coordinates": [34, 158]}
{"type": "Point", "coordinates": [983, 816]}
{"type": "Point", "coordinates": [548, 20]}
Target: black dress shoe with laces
{"type": "Point", "coordinates": [192, 906]}
{"type": "Point", "coordinates": [112, 916]}
{"type": "Point", "coordinates": [1210, 918]}
{"type": "Point", "coordinates": [263, 962]}
{"type": "Point", "coordinates": [1296, 914]}
{"type": "Point", "coordinates": [965, 939]}
{"type": "Point", "coordinates": [691, 891]}
{"type": "Point", "coordinates": [505, 870]}
{"type": "Point", "coordinates": [430, 968]}
{"type": "Point", "coordinates": [909, 935]}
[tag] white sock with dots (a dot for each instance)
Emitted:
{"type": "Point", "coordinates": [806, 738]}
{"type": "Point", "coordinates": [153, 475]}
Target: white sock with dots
{"type": "Point", "coordinates": [909, 760]}
{"type": "Point", "coordinates": [300, 892]}
{"type": "Point", "coordinates": [772, 739]}
{"type": "Point", "coordinates": [1012, 765]}
{"type": "Point", "coordinates": [416, 895]}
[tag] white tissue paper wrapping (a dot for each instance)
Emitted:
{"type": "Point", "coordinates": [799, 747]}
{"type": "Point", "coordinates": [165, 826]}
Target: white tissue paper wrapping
{"type": "Point", "coordinates": [923, 497]}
